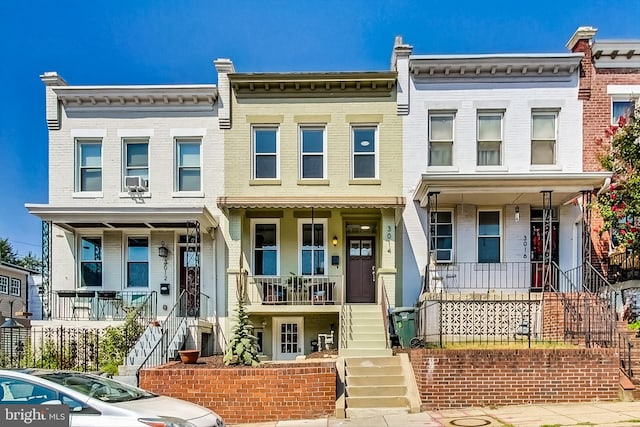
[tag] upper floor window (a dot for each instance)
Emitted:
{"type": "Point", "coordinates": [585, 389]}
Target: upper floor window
{"type": "Point", "coordinates": [441, 139]}
{"type": "Point", "coordinates": [265, 151]}
{"type": "Point", "coordinates": [543, 137]}
{"type": "Point", "coordinates": [364, 152]}
{"type": "Point", "coordinates": [137, 261]}
{"type": "Point", "coordinates": [136, 158]}
{"type": "Point", "coordinates": [89, 173]}
{"type": "Point", "coordinates": [4, 285]}
{"type": "Point", "coordinates": [15, 287]}
{"type": "Point", "coordinates": [91, 261]}
{"type": "Point", "coordinates": [621, 108]}
{"type": "Point", "coordinates": [312, 153]}
{"type": "Point", "coordinates": [489, 236]}
{"type": "Point", "coordinates": [188, 165]}
{"type": "Point", "coordinates": [441, 235]}
{"type": "Point", "coordinates": [265, 247]}
{"type": "Point", "coordinates": [489, 131]}
{"type": "Point", "coordinates": [313, 251]}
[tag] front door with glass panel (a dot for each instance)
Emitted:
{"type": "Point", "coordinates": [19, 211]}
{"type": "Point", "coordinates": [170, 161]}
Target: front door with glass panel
{"type": "Point", "coordinates": [288, 337]}
{"type": "Point", "coordinates": [361, 270]}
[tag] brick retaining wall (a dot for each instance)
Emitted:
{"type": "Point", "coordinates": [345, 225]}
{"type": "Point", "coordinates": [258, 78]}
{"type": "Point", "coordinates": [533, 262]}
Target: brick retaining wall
{"type": "Point", "coordinates": [459, 378]}
{"type": "Point", "coordinates": [242, 395]}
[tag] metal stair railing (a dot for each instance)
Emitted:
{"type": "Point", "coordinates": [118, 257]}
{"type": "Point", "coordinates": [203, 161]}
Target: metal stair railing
{"type": "Point", "coordinates": [171, 325]}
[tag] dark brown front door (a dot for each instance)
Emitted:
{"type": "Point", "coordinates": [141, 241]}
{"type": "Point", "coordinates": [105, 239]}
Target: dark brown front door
{"type": "Point", "coordinates": [189, 276]}
{"type": "Point", "coordinates": [361, 286]}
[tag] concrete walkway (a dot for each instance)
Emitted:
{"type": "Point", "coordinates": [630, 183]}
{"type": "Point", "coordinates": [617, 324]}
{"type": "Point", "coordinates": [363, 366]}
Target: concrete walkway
{"type": "Point", "coordinates": [612, 414]}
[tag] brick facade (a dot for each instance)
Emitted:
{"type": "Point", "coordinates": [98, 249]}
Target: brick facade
{"type": "Point", "coordinates": [285, 392]}
{"type": "Point", "coordinates": [460, 378]}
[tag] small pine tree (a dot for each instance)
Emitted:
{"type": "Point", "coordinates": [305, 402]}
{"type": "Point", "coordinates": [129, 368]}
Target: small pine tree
{"type": "Point", "coordinates": [243, 347]}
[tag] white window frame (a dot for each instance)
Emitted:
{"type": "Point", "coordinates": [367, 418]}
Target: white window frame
{"type": "Point", "coordinates": [432, 235]}
{"type": "Point", "coordinates": [255, 155]}
{"type": "Point", "coordinates": [449, 114]}
{"type": "Point", "coordinates": [254, 222]}
{"type": "Point", "coordinates": [500, 141]}
{"type": "Point", "coordinates": [129, 261]}
{"type": "Point", "coordinates": [4, 284]}
{"type": "Point", "coordinates": [178, 142]}
{"type": "Point", "coordinates": [322, 154]}
{"type": "Point", "coordinates": [79, 143]}
{"type": "Point", "coordinates": [499, 235]}
{"type": "Point", "coordinates": [81, 260]}
{"type": "Point", "coordinates": [126, 169]}
{"type": "Point", "coordinates": [375, 153]}
{"type": "Point", "coordinates": [325, 246]}
{"type": "Point", "coordinates": [15, 287]}
{"type": "Point", "coordinates": [555, 113]}
{"type": "Point", "coordinates": [616, 99]}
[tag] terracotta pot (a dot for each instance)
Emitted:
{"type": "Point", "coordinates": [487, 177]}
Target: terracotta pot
{"type": "Point", "coordinates": [155, 323]}
{"type": "Point", "coordinates": [189, 356]}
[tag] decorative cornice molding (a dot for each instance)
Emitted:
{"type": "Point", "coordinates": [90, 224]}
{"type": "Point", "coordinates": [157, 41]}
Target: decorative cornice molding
{"type": "Point", "coordinates": [516, 67]}
{"type": "Point", "coordinates": [313, 85]}
{"type": "Point", "coordinates": [616, 53]}
{"type": "Point", "coordinates": [161, 97]}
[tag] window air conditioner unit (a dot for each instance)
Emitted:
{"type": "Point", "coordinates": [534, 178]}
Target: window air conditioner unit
{"type": "Point", "coordinates": [135, 183]}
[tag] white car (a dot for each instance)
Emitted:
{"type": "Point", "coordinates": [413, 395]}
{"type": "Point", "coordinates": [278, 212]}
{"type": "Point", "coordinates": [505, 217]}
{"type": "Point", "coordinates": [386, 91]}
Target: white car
{"type": "Point", "coordinates": [96, 401]}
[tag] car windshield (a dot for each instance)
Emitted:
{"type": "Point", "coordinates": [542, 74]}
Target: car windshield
{"type": "Point", "coordinates": [97, 387]}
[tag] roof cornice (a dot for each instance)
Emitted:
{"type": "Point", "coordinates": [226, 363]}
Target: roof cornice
{"type": "Point", "coordinates": [513, 67]}
{"type": "Point", "coordinates": [182, 97]}
{"type": "Point", "coordinates": [307, 85]}
{"type": "Point", "coordinates": [616, 53]}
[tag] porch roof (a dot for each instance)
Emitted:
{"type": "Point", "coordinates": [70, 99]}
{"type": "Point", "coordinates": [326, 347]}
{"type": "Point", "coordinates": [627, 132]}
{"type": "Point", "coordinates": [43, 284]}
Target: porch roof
{"type": "Point", "coordinates": [379, 202]}
{"type": "Point", "coordinates": [504, 189]}
{"type": "Point", "coordinates": [72, 217]}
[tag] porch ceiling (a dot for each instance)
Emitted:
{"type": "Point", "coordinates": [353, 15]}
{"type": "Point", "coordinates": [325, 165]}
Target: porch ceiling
{"type": "Point", "coordinates": [505, 189]}
{"type": "Point", "coordinates": [312, 202]}
{"type": "Point", "coordinates": [72, 217]}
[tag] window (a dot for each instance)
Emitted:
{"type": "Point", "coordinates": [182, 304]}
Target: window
{"type": "Point", "coordinates": [137, 261]}
{"type": "Point", "coordinates": [488, 236]}
{"type": "Point", "coordinates": [441, 139]}
{"type": "Point", "coordinates": [4, 285]}
{"type": "Point", "coordinates": [91, 261]}
{"type": "Point", "coordinates": [441, 231]}
{"type": "Point", "coordinates": [543, 138]}
{"type": "Point", "coordinates": [621, 108]}
{"type": "Point", "coordinates": [89, 165]}
{"type": "Point", "coordinates": [15, 287]}
{"type": "Point", "coordinates": [364, 152]}
{"type": "Point", "coordinates": [265, 248]}
{"type": "Point", "coordinates": [489, 138]}
{"type": "Point", "coordinates": [265, 150]}
{"type": "Point", "coordinates": [312, 155]}
{"type": "Point", "coordinates": [188, 155]}
{"type": "Point", "coordinates": [136, 158]}
{"type": "Point", "coordinates": [313, 249]}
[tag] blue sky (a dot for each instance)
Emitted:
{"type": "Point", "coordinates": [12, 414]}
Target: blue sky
{"type": "Point", "coordinates": [171, 41]}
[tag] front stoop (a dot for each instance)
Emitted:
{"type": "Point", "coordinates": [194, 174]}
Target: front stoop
{"type": "Point", "coordinates": [627, 388]}
{"type": "Point", "coordinates": [376, 385]}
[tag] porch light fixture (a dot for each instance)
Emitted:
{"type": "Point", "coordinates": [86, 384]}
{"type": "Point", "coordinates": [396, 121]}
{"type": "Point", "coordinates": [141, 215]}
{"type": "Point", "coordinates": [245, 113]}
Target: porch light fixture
{"type": "Point", "coordinates": [517, 214]}
{"type": "Point", "coordinates": [163, 251]}
{"type": "Point", "coordinates": [335, 241]}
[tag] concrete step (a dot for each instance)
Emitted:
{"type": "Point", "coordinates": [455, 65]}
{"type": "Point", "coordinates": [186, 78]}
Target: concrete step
{"type": "Point", "coordinates": [372, 361]}
{"type": "Point", "coordinates": [373, 344]}
{"type": "Point", "coordinates": [377, 402]}
{"type": "Point", "coordinates": [353, 371]}
{"type": "Point", "coordinates": [364, 352]}
{"type": "Point", "coordinates": [352, 413]}
{"type": "Point", "coordinates": [382, 380]}
{"type": "Point", "coordinates": [377, 390]}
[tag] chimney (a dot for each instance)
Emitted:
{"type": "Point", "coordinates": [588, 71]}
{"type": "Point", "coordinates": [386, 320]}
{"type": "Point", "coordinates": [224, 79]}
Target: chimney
{"type": "Point", "coordinates": [581, 42]}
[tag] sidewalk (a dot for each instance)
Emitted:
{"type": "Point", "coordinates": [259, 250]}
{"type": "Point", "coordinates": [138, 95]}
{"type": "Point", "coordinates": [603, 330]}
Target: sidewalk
{"type": "Point", "coordinates": [612, 414]}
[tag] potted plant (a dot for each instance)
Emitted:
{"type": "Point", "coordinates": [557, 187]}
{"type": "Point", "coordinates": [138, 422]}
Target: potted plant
{"type": "Point", "coordinates": [189, 356]}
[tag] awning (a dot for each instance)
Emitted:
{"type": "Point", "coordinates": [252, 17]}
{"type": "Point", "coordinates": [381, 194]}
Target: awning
{"type": "Point", "coordinates": [328, 202]}
{"type": "Point", "coordinates": [504, 189]}
{"type": "Point", "coordinates": [124, 217]}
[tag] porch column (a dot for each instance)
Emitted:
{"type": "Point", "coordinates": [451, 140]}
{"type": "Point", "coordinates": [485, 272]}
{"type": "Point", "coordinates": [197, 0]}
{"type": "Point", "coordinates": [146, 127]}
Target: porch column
{"type": "Point", "coordinates": [432, 231]}
{"type": "Point", "coordinates": [46, 270]}
{"type": "Point", "coordinates": [192, 268]}
{"type": "Point", "coordinates": [586, 238]}
{"type": "Point", "coordinates": [547, 218]}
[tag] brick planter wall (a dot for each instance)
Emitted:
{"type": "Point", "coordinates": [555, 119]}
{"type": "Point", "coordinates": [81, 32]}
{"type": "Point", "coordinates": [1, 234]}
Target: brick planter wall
{"type": "Point", "coordinates": [243, 395]}
{"type": "Point", "coordinates": [459, 378]}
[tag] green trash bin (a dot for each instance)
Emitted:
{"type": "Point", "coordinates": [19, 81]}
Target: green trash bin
{"type": "Point", "coordinates": [404, 321]}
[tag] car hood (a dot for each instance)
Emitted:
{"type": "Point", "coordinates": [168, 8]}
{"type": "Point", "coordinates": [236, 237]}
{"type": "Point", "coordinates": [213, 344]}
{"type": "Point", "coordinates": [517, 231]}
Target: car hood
{"type": "Point", "coordinates": [163, 406]}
